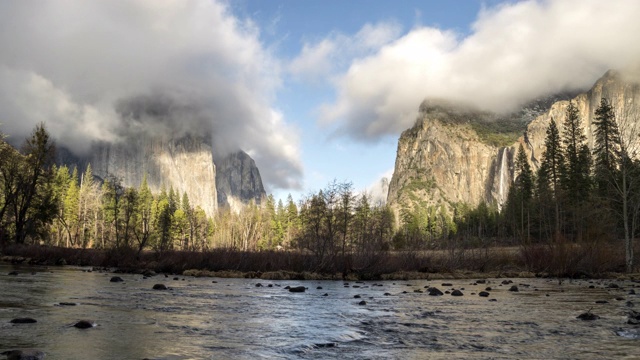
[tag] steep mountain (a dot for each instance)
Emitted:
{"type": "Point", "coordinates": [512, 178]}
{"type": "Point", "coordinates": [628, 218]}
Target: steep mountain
{"type": "Point", "coordinates": [187, 164]}
{"type": "Point", "coordinates": [458, 154]}
{"type": "Point", "coordinates": [238, 180]}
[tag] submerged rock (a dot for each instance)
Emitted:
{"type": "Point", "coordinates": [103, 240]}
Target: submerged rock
{"type": "Point", "coordinates": [116, 279]}
{"type": "Point", "coordinates": [297, 289]}
{"type": "Point", "coordinates": [433, 291]}
{"type": "Point", "coordinates": [362, 302]}
{"type": "Point", "coordinates": [159, 287]}
{"type": "Point", "coordinates": [13, 273]}
{"type": "Point", "coordinates": [26, 354]}
{"type": "Point", "coordinates": [24, 320]}
{"type": "Point", "coordinates": [588, 316]}
{"type": "Point", "coordinates": [68, 304]}
{"type": "Point", "coordinates": [84, 324]}
{"type": "Point", "coordinates": [514, 288]}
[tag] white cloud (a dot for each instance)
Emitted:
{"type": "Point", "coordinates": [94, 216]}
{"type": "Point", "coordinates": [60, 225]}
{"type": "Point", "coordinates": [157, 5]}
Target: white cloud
{"type": "Point", "coordinates": [73, 63]}
{"type": "Point", "coordinates": [320, 59]}
{"type": "Point", "coordinates": [516, 52]}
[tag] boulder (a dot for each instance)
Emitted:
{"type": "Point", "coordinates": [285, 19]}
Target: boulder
{"type": "Point", "coordinates": [116, 279]}
{"type": "Point", "coordinates": [484, 294]}
{"type": "Point", "coordinates": [513, 288]}
{"type": "Point", "coordinates": [433, 291]}
{"type": "Point", "coordinates": [25, 320]}
{"type": "Point", "coordinates": [456, 293]}
{"type": "Point", "coordinates": [297, 289]}
{"type": "Point", "coordinates": [356, 296]}
{"type": "Point", "coordinates": [84, 324]}
{"type": "Point", "coordinates": [362, 302]}
{"type": "Point", "coordinates": [26, 354]}
{"type": "Point", "coordinates": [159, 287]}
{"type": "Point", "coordinates": [588, 316]}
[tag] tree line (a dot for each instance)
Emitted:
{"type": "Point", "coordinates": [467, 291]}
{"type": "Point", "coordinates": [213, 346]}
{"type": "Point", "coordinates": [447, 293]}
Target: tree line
{"type": "Point", "coordinates": [42, 203]}
{"type": "Point", "coordinates": [578, 195]}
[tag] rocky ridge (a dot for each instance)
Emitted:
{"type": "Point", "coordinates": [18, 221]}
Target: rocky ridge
{"type": "Point", "coordinates": [457, 154]}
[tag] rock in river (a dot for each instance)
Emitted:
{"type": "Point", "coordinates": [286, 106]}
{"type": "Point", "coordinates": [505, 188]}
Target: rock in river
{"type": "Point", "coordinates": [433, 291]}
{"type": "Point", "coordinates": [26, 354]}
{"type": "Point", "coordinates": [297, 289]}
{"type": "Point", "coordinates": [484, 294]}
{"type": "Point", "coordinates": [456, 293]}
{"type": "Point", "coordinates": [24, 320]}
{"type": "Point", "coordinates": [159, 287]}
{"type": "Point", "coordinates": [84, 324]}
{"type": "Point", "coordinates": [116, 279]}
{"type": "Point", "coordinates": [588, 316]}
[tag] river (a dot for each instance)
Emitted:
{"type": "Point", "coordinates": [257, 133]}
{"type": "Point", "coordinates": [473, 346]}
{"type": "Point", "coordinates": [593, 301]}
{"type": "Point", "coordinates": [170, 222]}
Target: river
{"type": "Point", "coordinates": [214, 318]}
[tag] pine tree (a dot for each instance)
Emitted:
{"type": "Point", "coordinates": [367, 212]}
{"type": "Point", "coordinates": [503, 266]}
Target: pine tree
{"type": "Point", "coordinates": [576, 166]}
{"type": "Point", "coordinates": [550, 170]}
{"type": "Point", "coordinates": [606, 148]}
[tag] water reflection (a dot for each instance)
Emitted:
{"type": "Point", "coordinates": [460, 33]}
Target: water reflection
{"type": "Point", "coordinates": [198, 319]}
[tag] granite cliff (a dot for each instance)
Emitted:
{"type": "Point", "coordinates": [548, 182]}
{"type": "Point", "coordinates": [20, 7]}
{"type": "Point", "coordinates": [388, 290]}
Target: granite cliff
{"type": "Point", "coordinates": [458, 154]}
{"type": "Point", "coordinates": [187, 164]}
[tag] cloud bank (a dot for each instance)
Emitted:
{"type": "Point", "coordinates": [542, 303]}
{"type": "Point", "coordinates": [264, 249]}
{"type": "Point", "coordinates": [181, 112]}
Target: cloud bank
{"type": "Point", "coordinates": [514, 53]}
{"type": "Point", "coordinates": [86, 67]}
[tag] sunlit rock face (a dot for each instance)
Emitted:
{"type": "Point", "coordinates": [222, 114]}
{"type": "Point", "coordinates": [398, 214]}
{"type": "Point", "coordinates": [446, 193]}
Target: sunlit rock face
{"type": "Point", "coordinates": [238, 181]}
{"type": "Point", "coordinates": [185, 164]}
{"type": "Point", "coordinates": [446, 158]}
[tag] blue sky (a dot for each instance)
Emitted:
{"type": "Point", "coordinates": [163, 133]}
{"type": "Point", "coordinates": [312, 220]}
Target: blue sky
{"type": "Point", "coordinates": [287, 25]}
{"type": "Point", "coordinates": [313, 90]}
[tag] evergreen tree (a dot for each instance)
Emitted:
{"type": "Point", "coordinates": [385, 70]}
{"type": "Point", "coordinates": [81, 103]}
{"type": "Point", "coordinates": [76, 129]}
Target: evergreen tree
{"type": "Point", "coordinates": [606, 148]}
{"type": "Point", "coordinates": [576, 169]}
{"type": "Point", "coordinates": [550, 169]}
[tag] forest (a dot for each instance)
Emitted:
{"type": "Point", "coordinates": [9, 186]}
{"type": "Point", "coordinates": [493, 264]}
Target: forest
{"type": "Point", "coordinates": [579, 204]}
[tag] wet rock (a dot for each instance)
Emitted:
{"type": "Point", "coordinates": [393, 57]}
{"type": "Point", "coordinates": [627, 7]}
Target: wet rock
{"type": "Point", "coordinates": [630, 304]}
{"type": "Point", "coordinates": [176, 278]}
{"type": "Point", "coordinates": [116, 279]}
{"type": "Point", "coordinates": [287, 287]}
{"type": "Point", "coordinates": [270, 285]}
{"type": "Point", "coordinates": [26, 354]}
{"type": "Point", "coordinates": [61, 262]}
{"type": "Point", "coordinates": [481, 281]}
{"type": "Point", "coordinates": [493, 300]}
{"type": "Point", "coordinates": [418, 291]}
{"type": "Point", "coordinates": [588, 316]}
{"type": "Point", "coordinates": [13, 273]}
{"type": "Point", "coordinates": [325, 294]}
{"type": "Point", "coordinates": [613, 286]}
{"type": "Point", "coordinates": [513, 288]}
{"type": "Point", "coordinates": [433, 291]}
{"type": "Point", "coordinates": [319, 288]}
{"type": "Point", "coordinates": [632, 292]}
{"type": "Point", "coordinates": [259, 285]}
{"type": "Point", "coordinates": [362, 302]}
{"type": "Point", "coordinates": [456, 293]}
{"type": "Point", "coordinates": [68, 304]}
{"type": "Point", "coordinates": [159, 287]}
{"type": "Point", "coordinates": [214, 282]}
{"type": "Point", "coordinates": [506, 282]}
{"type": "Point", "coordinates": [592, 287]}
{"type": "Point", "coordinates": [356, 296]}
{"type": "Point", "coordinates": [404, 292]}
{"type": "Point", "coordinates": [297, 289]}
{"type": "Point", "coordinates": [483, 294]}
{"type": "Point", "coordinates": [602, 302]}
{"type": "Point", "coordinates": [148, 273]}
{"type": "Point", "coordinates": [387, 294]}
{"type": "Point", "coordinates": [84, 324]}
{"type": "Point", "coordinates": [488, 288]}
{"type": "Point", "coordinates": [325, 345]}
{"type": "Point", "coordinates": [25, 320]}
{"type": "Point", "coordinates": [447, 284]}
{"type": "Point", "coordinates": [619, 298]}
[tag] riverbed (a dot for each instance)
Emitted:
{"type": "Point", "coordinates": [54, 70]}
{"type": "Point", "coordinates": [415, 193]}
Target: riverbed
{"type": "Point", "coordinates": [215, 318]}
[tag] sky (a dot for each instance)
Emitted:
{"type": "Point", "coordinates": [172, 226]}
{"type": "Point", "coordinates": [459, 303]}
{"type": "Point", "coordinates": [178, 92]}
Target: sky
{"type": "Point", "coordinates": [312, 90]}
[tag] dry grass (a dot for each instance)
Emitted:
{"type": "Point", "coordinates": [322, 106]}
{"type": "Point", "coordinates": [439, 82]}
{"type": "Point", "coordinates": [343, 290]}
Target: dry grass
{"type": "Point", "coordinates": [560, 259]}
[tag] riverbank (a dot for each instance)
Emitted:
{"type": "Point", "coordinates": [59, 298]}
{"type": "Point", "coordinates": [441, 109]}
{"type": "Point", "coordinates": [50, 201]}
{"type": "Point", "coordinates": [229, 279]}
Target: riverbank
{"type": "Point", "coordinates": [535, 261]}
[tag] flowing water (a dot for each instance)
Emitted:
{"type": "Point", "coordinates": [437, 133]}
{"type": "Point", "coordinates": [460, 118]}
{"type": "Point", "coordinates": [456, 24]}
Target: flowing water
{"type": "Point", "coordinates": [210, 318]}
